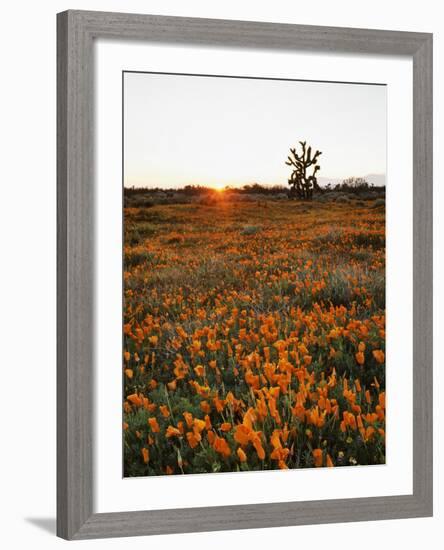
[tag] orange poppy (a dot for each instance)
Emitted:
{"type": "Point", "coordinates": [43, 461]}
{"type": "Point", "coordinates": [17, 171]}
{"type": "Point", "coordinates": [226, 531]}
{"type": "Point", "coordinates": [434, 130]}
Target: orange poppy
{"type": "Point", "coordinates": [258, 446]}
{"type": "Point", "coordinates": [188, 418]}
{"type": "Point", "coordinates": [199, 425]}
{"type": "Point", "coordinates": [171, 431]}
{"type": "Point", "coordinates": [241, 454]}
{"type": "Point", "coordinates": [135, 400]}
{"type": "Point", "coordinates": [379, 356]}
{"type": "Point", "coordinates": [154, 425]}
{"type": "Point", "coordinates": [145, 455]}
{"type": "Point", "coordinates": [205, 406]}
{"type": "Point", "coordinates": [221, 446]}
{"type": "Point", "coordinates": [317, 455]}
{"type": "Point", "coordinates": [193, 439]}
{"type": "Point", "coordinates": [172, 385]}
{"type": "Point", "coordinates": [242, 434]}
{"type": "Point", "coordinates": [199, 370]}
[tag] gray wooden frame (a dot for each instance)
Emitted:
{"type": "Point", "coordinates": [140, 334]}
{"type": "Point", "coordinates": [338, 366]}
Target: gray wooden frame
{"type": "Point", "coordinates": [76, 31]}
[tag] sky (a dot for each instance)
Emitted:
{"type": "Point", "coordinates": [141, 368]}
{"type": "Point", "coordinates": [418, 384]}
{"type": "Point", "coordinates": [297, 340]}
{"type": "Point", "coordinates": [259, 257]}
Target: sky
{"type": "Point", "coordinates": [214, 131]}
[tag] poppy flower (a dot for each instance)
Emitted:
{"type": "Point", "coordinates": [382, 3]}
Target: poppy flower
{"type": "Point", "coordinates": [221, 446]}
{"type": "Point", "coordinates": [242, 434]}
{"type": "Point", "coordinates": [199, 370]}
{"type": "Point", "coordinates": [211, 436]}
{"type": "Point", "coordinates": [381, 400]}
{"type": "Point", "coordinates": [135, 399]}
{"type": "Point", "coordinates": [188, 418]}
{"type": "Point", "coordinates": [241, 454]}
{"type": "Point", "coordinates": [205, 406]}
{"type": "Point", "coordinates": [207, 422]}
{"type": "Point", "coordinates": [379, 355]}
{"type": "Point", "coordinates": [317, 456]}
{"type": "Point", "coordinates": [193, 439]}
{"type": "Point", "coordinates": [171, 431]}
{"type": "Point", "coordinates": [258, 446]}
{"type": "Point", "coordinates": [154, 425]}
{"type": "Point", "coordinates": [145, 455]}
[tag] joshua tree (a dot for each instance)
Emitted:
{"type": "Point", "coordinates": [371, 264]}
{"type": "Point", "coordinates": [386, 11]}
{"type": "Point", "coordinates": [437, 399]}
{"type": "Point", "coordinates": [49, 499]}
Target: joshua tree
{"type": "Point", "coordinates": [300, 182]}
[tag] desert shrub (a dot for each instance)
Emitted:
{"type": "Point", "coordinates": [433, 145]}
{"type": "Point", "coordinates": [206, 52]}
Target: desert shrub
{"type": "Point", "coordinates": [369, 238]}
{"type": "Point", "coordinates": [323, 198]}
{"type": "Point", "coordinates": [133, 238]}
{"type": "Point", "coordinates": [175, 239]}
{"type": "Point", "coordinates": [332, 236]}
{"type": "Point", "coordinates": [343, 199]}
{"type": "Point", "coordinates": [137, 256]}
{"type": "Point", "coordinates": [146, 229]}
{"type": "Point", "coordinates": [250, 230]}
{"type": "Point", "coordinates": [378, 203]}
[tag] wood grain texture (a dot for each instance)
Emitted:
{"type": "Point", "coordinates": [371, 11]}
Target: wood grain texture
{"type": "Point", "coordinates": [423, 273]}
{"type": "Point", "coordinates": [75, 276]}
{"type": "Point", "coordinates": [226, 33]}
{"type": "Point", "coordinates": [256, 516]}
{"type": "Point", "coordinates": [75, 271]}
{"type": "Point", "coordinates": [62, 294]}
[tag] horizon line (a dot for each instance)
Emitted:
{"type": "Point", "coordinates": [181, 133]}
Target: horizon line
{"type": "Point", "coordinates": [235, 187]}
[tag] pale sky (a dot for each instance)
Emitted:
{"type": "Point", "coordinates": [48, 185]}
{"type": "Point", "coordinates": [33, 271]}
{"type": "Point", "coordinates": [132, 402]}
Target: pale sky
{"type": "Point", "coordinates": [214, 131]}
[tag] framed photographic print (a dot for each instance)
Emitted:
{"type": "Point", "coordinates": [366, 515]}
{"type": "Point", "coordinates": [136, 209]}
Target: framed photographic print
{"type": "Point", "coordinates": [244, 274]}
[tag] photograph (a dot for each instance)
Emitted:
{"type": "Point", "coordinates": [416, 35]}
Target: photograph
{"type": "Point", "coordinates": [253, 268]}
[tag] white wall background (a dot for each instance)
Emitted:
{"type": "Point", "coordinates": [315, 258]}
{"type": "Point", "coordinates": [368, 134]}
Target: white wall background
{"type": "Point", "coordinates": [27, 215]}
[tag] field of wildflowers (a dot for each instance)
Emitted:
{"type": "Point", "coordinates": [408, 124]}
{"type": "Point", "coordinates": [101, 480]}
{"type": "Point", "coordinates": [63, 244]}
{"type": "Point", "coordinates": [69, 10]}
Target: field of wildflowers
{"type": "Point", "coordinates": [254, 336]}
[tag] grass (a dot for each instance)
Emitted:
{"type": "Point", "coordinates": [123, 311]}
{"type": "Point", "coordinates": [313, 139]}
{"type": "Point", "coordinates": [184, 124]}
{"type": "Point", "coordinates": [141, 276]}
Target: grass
{"type": "Point", "coordinates": [254, 336]}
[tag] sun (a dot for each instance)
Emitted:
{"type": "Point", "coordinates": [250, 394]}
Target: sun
{"type": "Point", "coordinates": [218, 187]}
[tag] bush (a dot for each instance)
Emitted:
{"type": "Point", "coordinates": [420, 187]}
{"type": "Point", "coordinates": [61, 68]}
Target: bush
{"type": "Point", "coordinates": [251, 230]}
{"type": "Point", "coordinates": [343, 199]}
{"type": "Point", "coordinates": [378, 203]}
